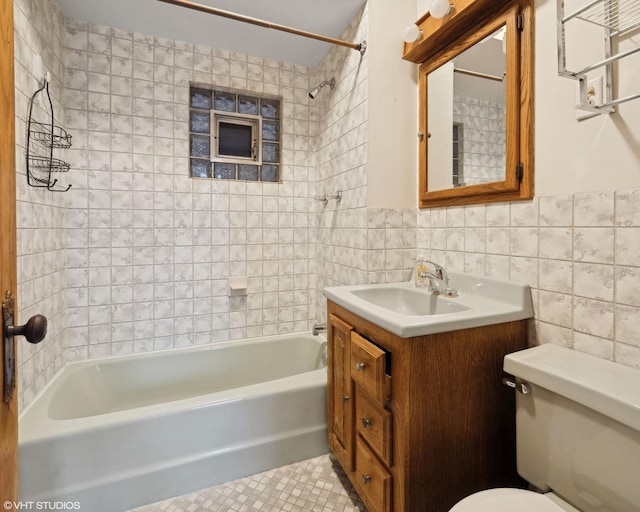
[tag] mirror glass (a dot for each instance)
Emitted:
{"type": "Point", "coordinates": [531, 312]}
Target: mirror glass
{"type": "Point", "coordinates": [466, 109]}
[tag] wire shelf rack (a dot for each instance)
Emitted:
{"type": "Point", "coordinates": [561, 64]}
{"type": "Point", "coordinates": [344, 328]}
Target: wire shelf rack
{"type": "Point", "coordinates": [617, 18]}
{"type": "Point", "coordinates": [50, 136]}
{"type": "Point", "coordinates": [47, 164]}
{"type": "Point", "coordinates": [40, 163]}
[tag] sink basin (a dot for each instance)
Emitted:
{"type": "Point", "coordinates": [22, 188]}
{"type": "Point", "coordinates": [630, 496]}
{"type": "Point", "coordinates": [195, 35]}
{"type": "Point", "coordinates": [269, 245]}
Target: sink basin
{"type": "Point", "coordinates": [407, 311]}
{"type": "Point", "coordinates": [409, 301]}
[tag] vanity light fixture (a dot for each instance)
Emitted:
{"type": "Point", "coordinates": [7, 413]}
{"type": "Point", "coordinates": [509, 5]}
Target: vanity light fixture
{"type": "Point", "coordinates": [440, 8]}
{"type": "Point", "coordinates": [411, 33]}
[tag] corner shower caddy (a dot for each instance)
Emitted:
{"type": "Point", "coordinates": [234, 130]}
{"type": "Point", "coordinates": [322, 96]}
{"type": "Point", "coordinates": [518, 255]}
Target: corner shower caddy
{"type": "Point", "coordinates": [617, 18]}
{"type": "Point", "coordinates": [47, 136]}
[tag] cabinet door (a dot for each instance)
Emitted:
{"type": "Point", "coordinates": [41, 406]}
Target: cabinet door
{"type": "Point", "coordinates": [340, 392]}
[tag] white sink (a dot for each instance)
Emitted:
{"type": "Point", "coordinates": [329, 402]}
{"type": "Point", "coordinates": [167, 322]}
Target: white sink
{"type": "Point", "coordinates": [407, 311]}
{"type": "Point", "coordinates": [409, 301]}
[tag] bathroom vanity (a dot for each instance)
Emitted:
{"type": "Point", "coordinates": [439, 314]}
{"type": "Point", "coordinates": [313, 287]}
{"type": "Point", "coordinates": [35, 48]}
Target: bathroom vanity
{"type": "Point", "coordinates": [420, 422]}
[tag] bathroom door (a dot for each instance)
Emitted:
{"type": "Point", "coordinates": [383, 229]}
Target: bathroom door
{"type": "Point", "coordinates": [8, 410]}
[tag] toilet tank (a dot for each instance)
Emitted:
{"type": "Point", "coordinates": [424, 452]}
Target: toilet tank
{"type": "Point", "coordinates": [578, 430]}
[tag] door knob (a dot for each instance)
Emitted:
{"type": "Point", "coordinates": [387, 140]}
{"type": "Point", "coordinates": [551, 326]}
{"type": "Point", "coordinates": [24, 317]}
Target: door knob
{"type": "Point", "coordinates": [34, 330]}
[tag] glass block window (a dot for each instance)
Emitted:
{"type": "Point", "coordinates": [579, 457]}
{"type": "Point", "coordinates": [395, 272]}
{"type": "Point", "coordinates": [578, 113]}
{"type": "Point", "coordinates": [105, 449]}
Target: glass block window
{"type": "Point", "coordinates": [234, 135]}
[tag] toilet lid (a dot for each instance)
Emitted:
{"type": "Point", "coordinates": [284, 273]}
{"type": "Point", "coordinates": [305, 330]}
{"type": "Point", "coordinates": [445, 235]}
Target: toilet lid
{"type": "Point", "coordinates": [507, 500]}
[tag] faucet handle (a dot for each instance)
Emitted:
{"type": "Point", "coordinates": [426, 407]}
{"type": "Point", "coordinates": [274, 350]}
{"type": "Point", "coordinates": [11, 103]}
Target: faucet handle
{"type": "Point", "coordinates": [438, 270]}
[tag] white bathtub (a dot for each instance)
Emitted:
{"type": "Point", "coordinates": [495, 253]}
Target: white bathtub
{"type": "Point", "coordinates": [116, 433]}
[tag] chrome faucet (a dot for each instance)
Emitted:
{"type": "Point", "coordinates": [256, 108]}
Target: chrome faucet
{"type": "Point", "coordinates": [438, 279]}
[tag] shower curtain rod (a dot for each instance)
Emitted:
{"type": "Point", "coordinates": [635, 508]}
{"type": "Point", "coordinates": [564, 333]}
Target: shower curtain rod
{"type": "Point", "coordinates": [478, 74]}
{"type": "Point", "coordinates": [361, 47]}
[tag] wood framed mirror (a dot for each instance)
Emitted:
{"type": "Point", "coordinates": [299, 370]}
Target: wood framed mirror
{"type": "Point", "coordinates": [476, 104]}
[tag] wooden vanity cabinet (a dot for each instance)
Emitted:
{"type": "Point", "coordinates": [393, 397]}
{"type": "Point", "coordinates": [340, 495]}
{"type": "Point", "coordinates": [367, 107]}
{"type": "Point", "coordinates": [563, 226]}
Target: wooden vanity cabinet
{"type": "Point", "coordinates": [419, 423]}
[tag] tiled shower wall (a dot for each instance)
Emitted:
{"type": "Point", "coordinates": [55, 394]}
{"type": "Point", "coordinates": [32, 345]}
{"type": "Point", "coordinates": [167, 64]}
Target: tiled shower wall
{"type": "Point", "coordinates": [578, 252]}
{"type": "Point", "coordinates": [355, 243]}
{"type": "Point", "coordinates": [483, 140]}
{"type": "Point", "coordinates": [40, 214]}
{"type": "Point", "coordinates": [339, 142]}
{"type": "Point", "coordinates": [149, 249]}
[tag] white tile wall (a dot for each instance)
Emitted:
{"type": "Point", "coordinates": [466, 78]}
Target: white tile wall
{"type": "Point", "coordinates": [483, 148]}
{"type": "Point", "coordinates": [339, 140]}
{"type": "Point", "coordinates": [151, 250]}
{"type": "Point", "coordinates": [577, 252]}
{"type": "Point", "coordinates": [355, 243]}
{"type": "Point", "coordinates": [40, 214]}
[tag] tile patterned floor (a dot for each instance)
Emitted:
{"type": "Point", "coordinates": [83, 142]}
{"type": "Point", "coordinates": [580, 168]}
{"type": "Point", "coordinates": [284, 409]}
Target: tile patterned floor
{"type": "Point", "coordinates": [313, 485]}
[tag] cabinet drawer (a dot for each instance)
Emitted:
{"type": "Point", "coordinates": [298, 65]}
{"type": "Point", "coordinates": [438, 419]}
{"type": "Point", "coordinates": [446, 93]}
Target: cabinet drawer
{"type": "Point", "coordinates": [368, 365]}
{"type": "Point", "coordinates": [374, 425]}
{"type": "Point", "coordinates": [374, 482]}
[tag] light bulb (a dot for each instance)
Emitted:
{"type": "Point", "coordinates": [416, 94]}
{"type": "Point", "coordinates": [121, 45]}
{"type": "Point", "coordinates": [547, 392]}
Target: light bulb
{"type": "Point", "coordinates": [440, 8]}
{"type": "Point", "coordinates": [411, 33]}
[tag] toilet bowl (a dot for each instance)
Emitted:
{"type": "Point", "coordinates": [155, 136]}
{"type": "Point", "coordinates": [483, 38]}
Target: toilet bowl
{"type": "Point", "coordinates": [512, 500]}
{"type": "Point", "coordinates": [577, 435]}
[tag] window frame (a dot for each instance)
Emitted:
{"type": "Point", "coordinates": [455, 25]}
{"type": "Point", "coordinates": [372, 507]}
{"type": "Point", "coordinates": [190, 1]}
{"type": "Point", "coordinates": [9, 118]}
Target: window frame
{"type": "Point", "coordinates": [255, 122]}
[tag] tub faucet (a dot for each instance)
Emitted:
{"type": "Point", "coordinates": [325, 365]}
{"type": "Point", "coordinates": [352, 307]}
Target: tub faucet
{"type": "Point", "coordinates": [318, 328]}
{"type": "Point", "coordinates": [438, 279]}
{"type": "Point", "coordinates": [324, 358]}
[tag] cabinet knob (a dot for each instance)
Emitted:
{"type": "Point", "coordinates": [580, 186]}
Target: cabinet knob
{"type": "Point", "coordinates": [366, 479]}
{"type": "Point", "coordinates": [360, 366]}
{"type": "Point", "coordinates": [366, 422]}
{"type": "Point", "coordinates": [345, 398]}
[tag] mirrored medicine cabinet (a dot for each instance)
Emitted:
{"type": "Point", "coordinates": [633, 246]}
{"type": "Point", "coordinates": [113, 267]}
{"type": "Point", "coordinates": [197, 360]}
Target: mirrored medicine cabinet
{"type": "Point", "coordinates": [475, 103]}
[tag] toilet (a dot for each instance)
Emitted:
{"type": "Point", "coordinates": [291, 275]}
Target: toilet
{"type": "Point", "coordinates": [578, 435]}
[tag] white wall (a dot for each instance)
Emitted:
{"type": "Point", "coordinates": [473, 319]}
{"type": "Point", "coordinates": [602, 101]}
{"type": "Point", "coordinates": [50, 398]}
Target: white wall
{"type": "Point", "coordinates": [598, 154]}
{"type": "Point", "coordinates": [393, 107]}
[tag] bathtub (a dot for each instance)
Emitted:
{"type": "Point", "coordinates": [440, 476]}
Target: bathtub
{"type": "Point", "coordinates": [116, 433]}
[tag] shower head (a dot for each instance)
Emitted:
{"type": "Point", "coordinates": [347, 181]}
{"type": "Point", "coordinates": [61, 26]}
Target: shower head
{"type": "Point", "coordinates": [314, 92]}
